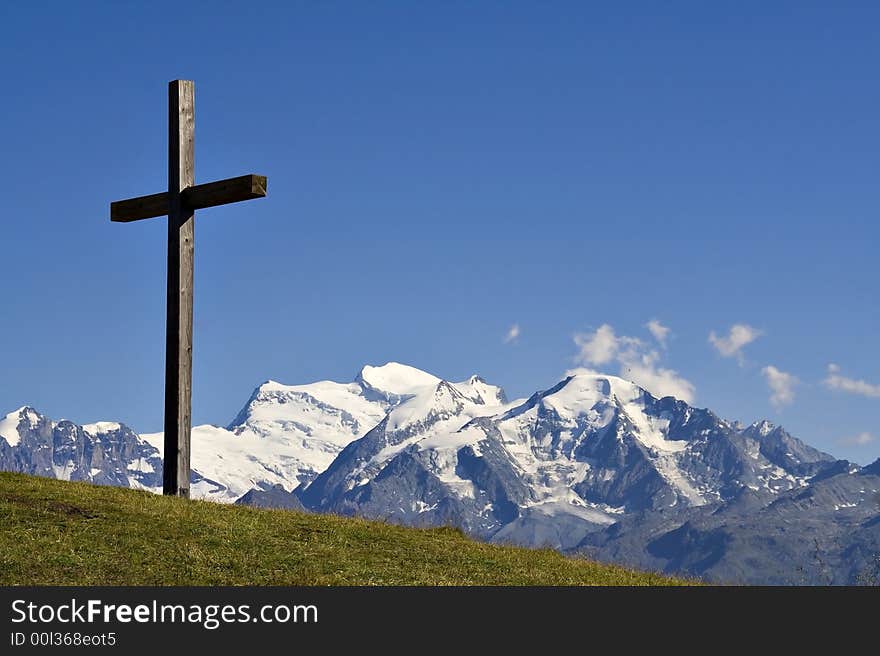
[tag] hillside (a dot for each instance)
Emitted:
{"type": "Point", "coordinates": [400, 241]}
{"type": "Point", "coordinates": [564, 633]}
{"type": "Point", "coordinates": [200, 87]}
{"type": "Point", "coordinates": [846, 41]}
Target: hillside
{"type": "Point", "coordinates": [63, 533]}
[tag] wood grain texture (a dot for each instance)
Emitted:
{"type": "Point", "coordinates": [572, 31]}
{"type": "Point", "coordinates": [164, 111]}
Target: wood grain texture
{"type": "Point", "coordinates": [223, 192]}
{"type": "Point", "coordinates": [178, 336]}
{"type": "Point", "coordinates": [142, 207]}
{"type": "Point", "coordinates": [198, 197]}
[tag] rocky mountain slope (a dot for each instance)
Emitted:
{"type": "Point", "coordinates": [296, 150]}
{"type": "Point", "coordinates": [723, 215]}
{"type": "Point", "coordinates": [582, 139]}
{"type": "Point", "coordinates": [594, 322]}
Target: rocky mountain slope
{"type": "Point", "coordinates": [592, 465]}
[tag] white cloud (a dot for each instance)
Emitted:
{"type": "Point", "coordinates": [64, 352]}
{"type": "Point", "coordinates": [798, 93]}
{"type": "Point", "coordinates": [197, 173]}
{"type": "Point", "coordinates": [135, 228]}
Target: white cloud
{"type": "Point", "coordinates": [642, 369]}
{"type": "Point", "coordinates": [730, 346]}
{"type": "Point", "coordinates": [512, 334]}
{"type": "Point", "coordinates": [659, 331]}
{"type": "Point", "coordinates": [599, 347]}
{"type": "Point", "coordinates": [576, 371]}
{"type": "Point", "coordinates": [835, 381]}
{"type": "Point", "coordinates": [862, 439]}
{"type": "Point", "coordinates": [781, 385]}
{"type": "Point", "coordinates": [636, 362]}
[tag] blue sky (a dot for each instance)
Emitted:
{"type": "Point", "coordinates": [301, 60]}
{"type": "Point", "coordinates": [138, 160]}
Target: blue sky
{"type": "Point", "coordinates": [441, 172]}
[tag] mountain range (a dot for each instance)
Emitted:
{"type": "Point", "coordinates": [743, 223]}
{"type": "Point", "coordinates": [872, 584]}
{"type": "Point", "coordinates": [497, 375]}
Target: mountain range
{"type": "Point", "coordinates": [593, 465]}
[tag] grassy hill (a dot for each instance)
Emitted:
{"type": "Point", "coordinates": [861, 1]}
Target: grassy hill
{"type": "Point", "coordinates": [58, 533]}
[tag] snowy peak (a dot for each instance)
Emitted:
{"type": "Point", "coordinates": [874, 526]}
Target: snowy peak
{"type": "Point", "coordinates": [106, 453]}
{"type": "Point", "coordinates": [323, 408]}
{"type": "Point", "coordinates": [442, 401]}
{"type": "Point", "coordinates": [307, 426]}
{"type": "Point", "coordinates": [101, 428]}
{"type": "Point", "coordinates": [786, 451]}
{"type": "Point", "coordinates": [23, 418]}
{"type": "Point", "coordinates": [478, 391]}
{"type": "Point", "coordinates": [592, 440]}
{"type": "Point", "coordinates": [582, 391]}
{"type": "Point", "coordinates": [761, 428]}
{"type": "Point", "coordinates": [393, 381]}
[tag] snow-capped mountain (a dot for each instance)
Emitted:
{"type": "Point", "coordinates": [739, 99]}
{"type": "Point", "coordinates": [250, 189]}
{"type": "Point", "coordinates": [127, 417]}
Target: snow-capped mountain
{"type": "Point", "coordinates": [308, 425]}
{"type": "Point", "coordinates": [106, 453]}
{"type": "Point", "coordinates": [288, 434]}
{"type": "Point", "coordinates": [826, 532]}
{"type": "Point", "coordinates": [410, 467]}
{"type": "Point", "coordinates": [597, 465]}
{"type": "Point", "coordinates": [593, 465]}
{"type": "Point", "coordinates": [285, 435]}
{"type": "Point", "coordinates": [566, 462]}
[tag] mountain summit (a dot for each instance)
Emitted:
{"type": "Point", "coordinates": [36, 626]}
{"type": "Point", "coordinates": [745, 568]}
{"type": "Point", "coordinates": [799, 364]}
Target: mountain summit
{"type": "Point", "coordinates": [567, 462]}
{"type": "Point", "coordinates": [288, 434]}
{"type": "Point", "coordinates": [594, 464]}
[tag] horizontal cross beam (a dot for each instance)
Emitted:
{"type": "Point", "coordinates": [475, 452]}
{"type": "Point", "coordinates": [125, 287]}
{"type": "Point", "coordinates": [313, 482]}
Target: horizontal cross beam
{"type": "Point", "coordinates": [198, 197]}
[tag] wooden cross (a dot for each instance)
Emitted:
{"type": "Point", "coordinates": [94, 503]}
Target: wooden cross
{"type": "Point", "coordinates": [179, 204]}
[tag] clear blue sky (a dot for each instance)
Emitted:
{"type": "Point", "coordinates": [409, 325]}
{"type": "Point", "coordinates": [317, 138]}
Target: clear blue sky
{"type": "Point", "coordinates": [439, 172]}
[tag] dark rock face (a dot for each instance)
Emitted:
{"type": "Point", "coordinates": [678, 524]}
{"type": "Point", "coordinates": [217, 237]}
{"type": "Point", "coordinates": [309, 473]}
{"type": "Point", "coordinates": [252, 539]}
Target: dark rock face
{"type": "Point", "coordinates": [274, 497]}
{"type": "Point", "coordinates": [826, 532]}
{"type": "Point", "coordinates": [107, 453]}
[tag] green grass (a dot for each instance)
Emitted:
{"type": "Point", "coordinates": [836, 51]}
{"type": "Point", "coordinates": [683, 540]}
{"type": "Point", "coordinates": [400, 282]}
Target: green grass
{"type": "Point", "coordinates": [58, 533]}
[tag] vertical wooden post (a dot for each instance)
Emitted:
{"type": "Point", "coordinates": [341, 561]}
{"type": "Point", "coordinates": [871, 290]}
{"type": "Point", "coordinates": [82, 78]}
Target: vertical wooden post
{"type": "Point", "coordinates": [178, 339]}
